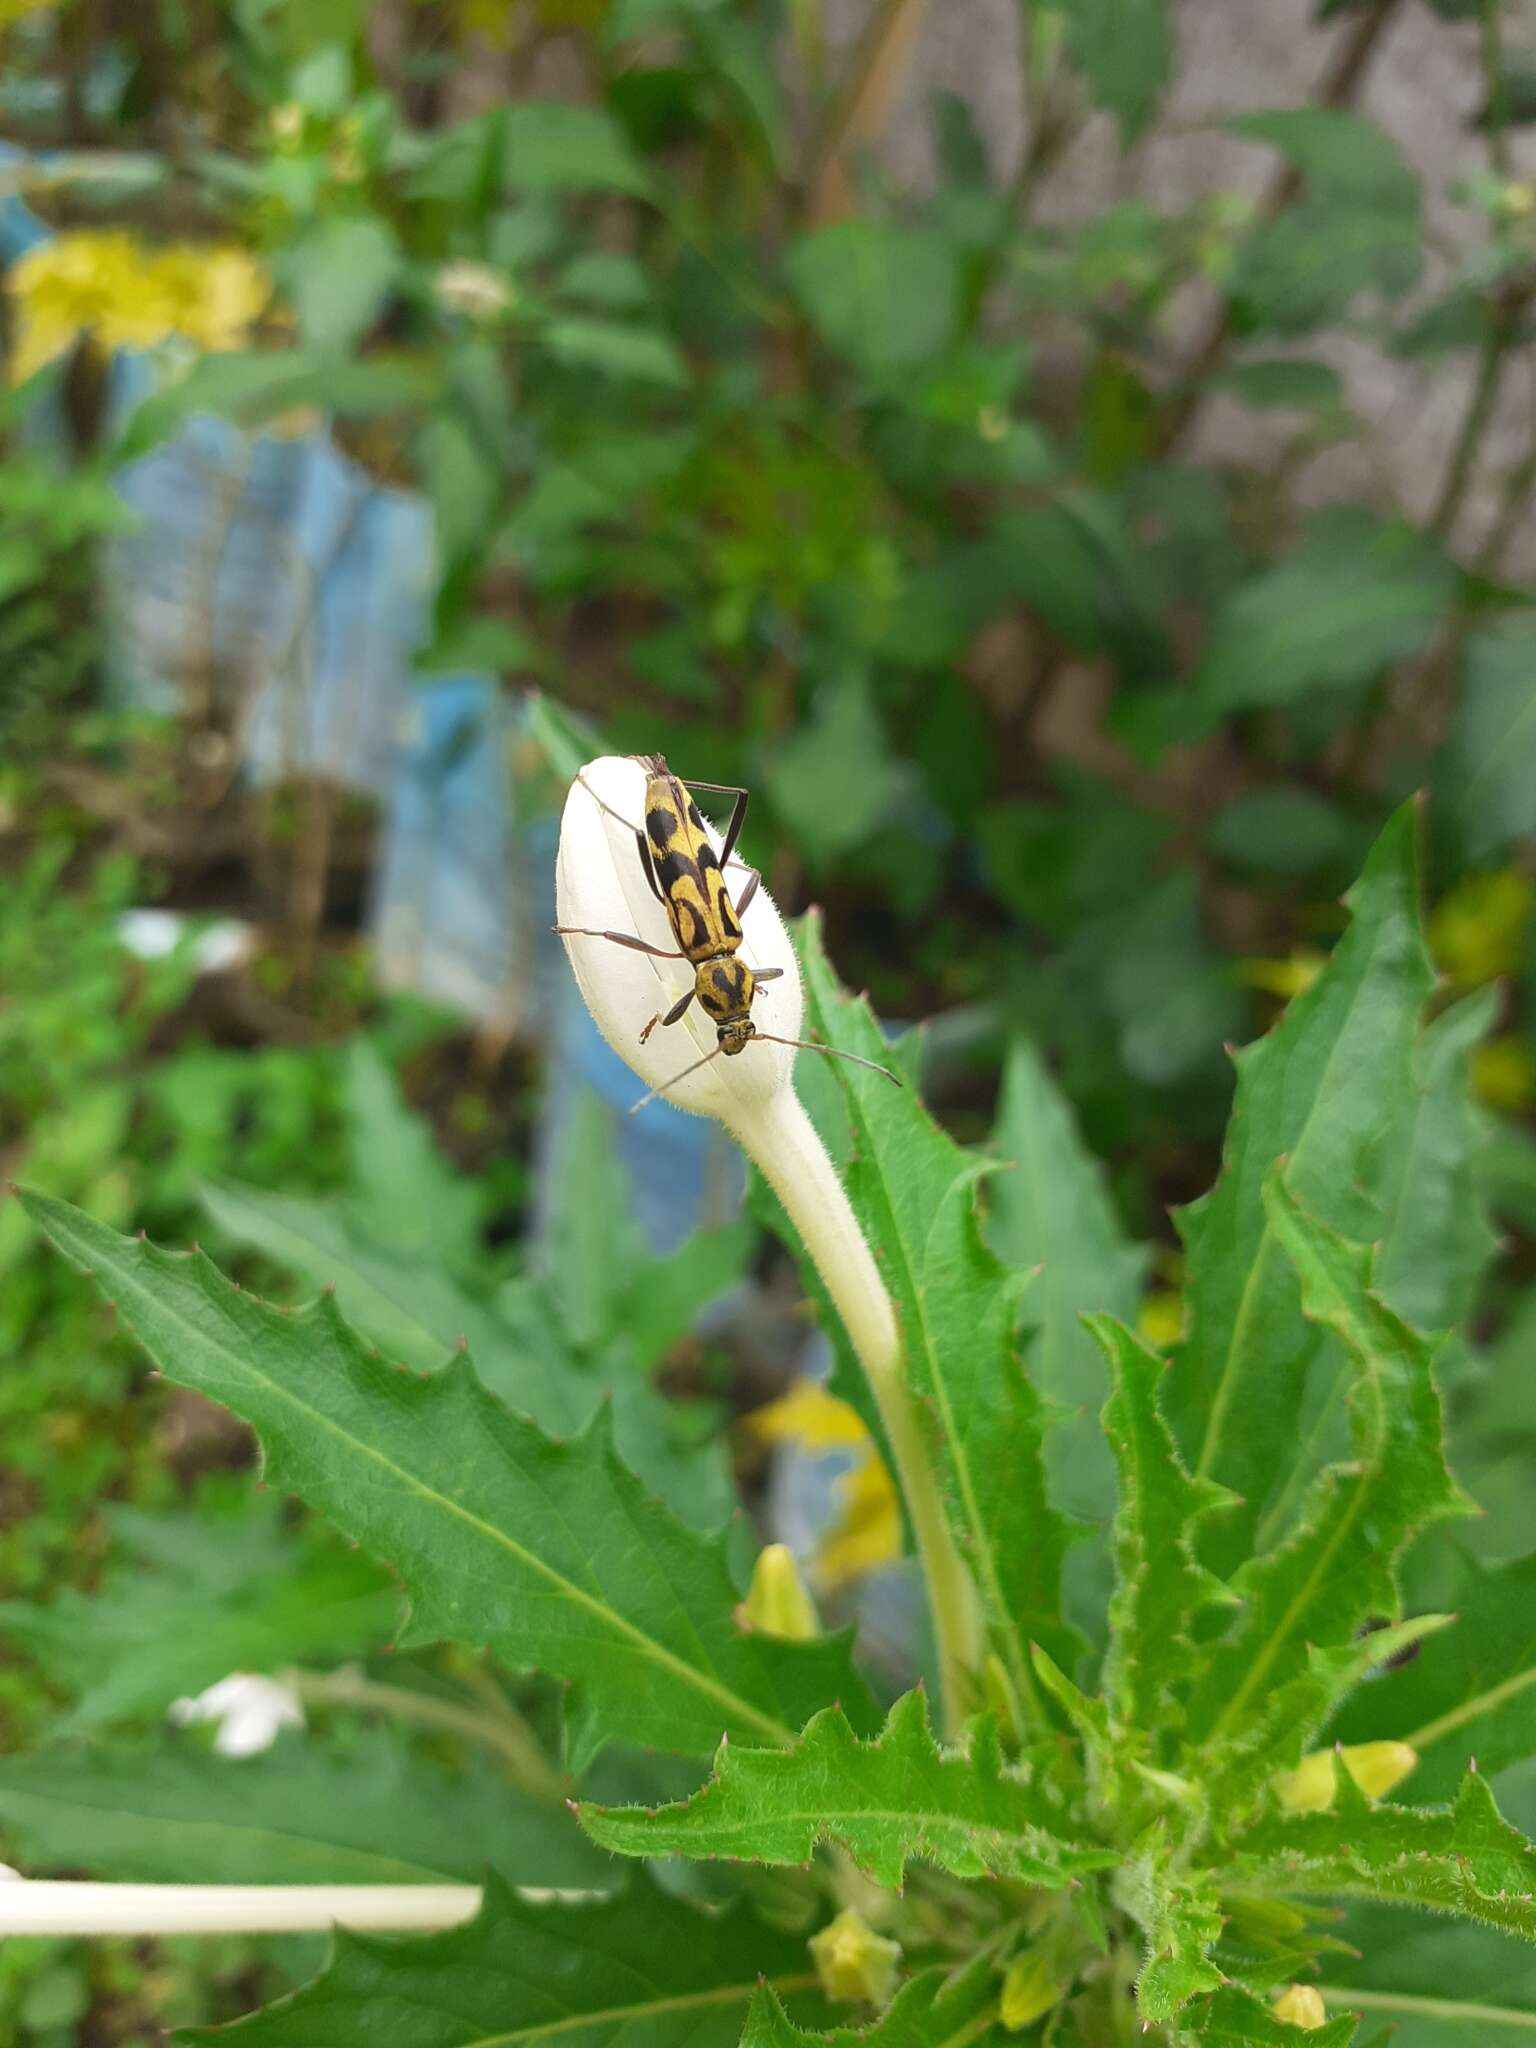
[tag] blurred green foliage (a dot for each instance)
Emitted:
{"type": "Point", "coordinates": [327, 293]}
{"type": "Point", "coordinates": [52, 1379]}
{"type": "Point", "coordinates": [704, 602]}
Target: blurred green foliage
{"type": "Point", "coordinates": [890, 502]}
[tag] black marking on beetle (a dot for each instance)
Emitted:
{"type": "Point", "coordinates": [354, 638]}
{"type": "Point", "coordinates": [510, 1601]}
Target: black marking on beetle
{"type": "Point", "coordinates": [696, 934]}
{"type": "Point", "coordinates": [660, 823]}
{"type": "Point", "coordinates": [706, 858]}
{"type": "Point", "coordinates": [693, 816]}
{"type": "Point", "coordinates": [671, 868]}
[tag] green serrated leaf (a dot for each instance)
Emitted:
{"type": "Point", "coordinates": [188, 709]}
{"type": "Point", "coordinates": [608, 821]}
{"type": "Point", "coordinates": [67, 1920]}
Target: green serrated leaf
{"type": "Point", "coordinates": [1465, 1859]}
{"type": "Point", "coordinates": [405, 1193]}
{"type": "Point", "coordinates": [1234, 2018]}
{"type": "Point", "coordinates": [897, 1798]}
{"type": "Point", "coordinates": [1050, 1208]}
{"type": "Point", "coordinates": [1286, 1720]}
{"type": "Point", "coordinates": [913, 1190]}
{"type": "Point", "coordinates": [1436, 1982]}
{"type": "Point", "coordinates": [1160, 1587]}
{"type": "Point", "coordinates": [640, 1971]}
{"type": "Point", "coordinates": [1180, 1918]}
{"type": "Point", "coordinates": [552, 1553]}
{"type": "Point", "coordinates": [1337, 1570]}
{"type": "Point", "coordinates": [553, 1345]}
{"type": "Point", "coordinates": [374, 1814]}
{"type": "Point", "coordinates": [1436, 1240]}
{"type": "Point", "coordinates": [930, 2012]}
{"type": "Point", "coordinates": [1472, 1690]}
{"type": "Point", "coordinates": [1319, 1089]}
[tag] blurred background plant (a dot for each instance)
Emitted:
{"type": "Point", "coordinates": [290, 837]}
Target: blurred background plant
{"type": "Point", "coordinates": [1072, 463]}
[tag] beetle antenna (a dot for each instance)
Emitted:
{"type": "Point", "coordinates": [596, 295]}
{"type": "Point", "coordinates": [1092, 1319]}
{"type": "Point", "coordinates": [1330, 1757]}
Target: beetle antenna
{"type": "Point", "coordinates": [662, 1086]}
{"type": "Point", "coordinates": [833, 1052]}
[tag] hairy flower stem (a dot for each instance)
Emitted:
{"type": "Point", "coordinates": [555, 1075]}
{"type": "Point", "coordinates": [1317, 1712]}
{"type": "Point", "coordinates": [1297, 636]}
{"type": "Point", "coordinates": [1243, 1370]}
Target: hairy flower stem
{"type": "Point", "coordinates": [782, 1141]}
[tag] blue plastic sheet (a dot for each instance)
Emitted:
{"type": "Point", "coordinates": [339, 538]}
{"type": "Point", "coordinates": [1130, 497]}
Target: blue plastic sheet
{"type": "Point", "coordinates": [273, 585]}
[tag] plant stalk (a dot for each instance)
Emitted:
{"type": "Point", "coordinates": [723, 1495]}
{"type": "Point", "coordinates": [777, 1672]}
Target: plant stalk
{"type": "Point", "coordinates": [783, 1143]}
{"type": "Point", "coordinates": [51, 1907]}
{"type": "Point", "coordinates": [504, 1733]}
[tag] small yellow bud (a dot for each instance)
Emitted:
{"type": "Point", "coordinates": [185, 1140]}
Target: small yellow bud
{"type": "Point", "coordinates": [1301, 2006]}
{"type": "Point", "coordinates": [853, 1962]}
{"type": "Point", "coordinates": [1030, 1988]}
{"type": "Point", "coordinates": [777, 1603]}
{"type": "Point", "coordinates": [1376, 1768]}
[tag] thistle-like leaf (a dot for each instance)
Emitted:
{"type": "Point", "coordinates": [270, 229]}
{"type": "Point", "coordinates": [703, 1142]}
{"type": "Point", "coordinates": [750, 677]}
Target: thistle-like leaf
{"type": "Point", "coordinates": [1464, 1859]}
{"type": "Point", "coordinates": [552, 1553]}
{"type": "Point", "coordinates": [887, 1802]}
{"type": "Point", "coordinates": [1473, 1690]}
{"type": "Point", "coordinates": [1437, 1982]}
{"type": "Point", "coordinates": [1436, 1239]}
{"type": "Point", "coordinates": [1160, 1586]}
{"type": "Point", "coordinates": [1049, 1208]}
{"type": "Point", "coordinates": [643, 1970]}
{"type": "Point", "coordinates": [373, 1814]}
{"type": "Point", "coordinates": [1287, 1720]}
{"type": "Point", "coordinates": [1180, 1918]}
{"type": "Point", "coordinates": [1336, 1571]}
{"type": "Point", "coordinates": [932, 2011]}
{"type": "Point", "coordinates": [1319, 1089]}
{"type": "Point", "coordinates": [914, 1191]}
{"type": "Point", "coordinates": [1234, 2018]}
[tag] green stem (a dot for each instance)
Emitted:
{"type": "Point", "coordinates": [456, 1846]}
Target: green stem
{"type": "Point", "coordinates": [1427, 2008]}
{"type": "Point", "coordinates": [1485, 391]}
{"type": "Point", "coordinates": [504, 1732]}
{"type": "Point", "coordinates": [1470, 1710]}
{"type": "Point", "coordinates": [782, 1141]}
{"type": "Point", "coordinates": [1493, 77]}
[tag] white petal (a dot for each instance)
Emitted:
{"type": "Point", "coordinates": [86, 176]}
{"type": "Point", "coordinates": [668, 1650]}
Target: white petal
{"type": "Point", "coordinates": [249, 1709]}
{"type": "Point", "coordinates": [600, 884]}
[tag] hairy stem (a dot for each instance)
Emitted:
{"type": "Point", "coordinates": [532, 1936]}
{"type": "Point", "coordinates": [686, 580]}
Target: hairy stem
{"type": "Point", "coordinates": [784, 1145]}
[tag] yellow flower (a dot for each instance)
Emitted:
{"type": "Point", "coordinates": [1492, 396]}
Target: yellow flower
{"type": "Point", "coordinates": [1286, 978]}
{"type": "Point", "coordinates": [125, 294]}
{"type": "Point", "coordinates": [1031, 1987]}
{"type": "Point", "coordinates": [1477, 933]}
{"type": "Point", "coordinates": [867, 1532]}
{"type": "Point", "coordinates": [1161, 1319]}
{"type": "Point", "coordinates": [1504, 1074]}
{"type": "Point", "coordinates": [777, 1603]}
{"type": "Point", "coordinates": [1376, 1768]}
{"type": "Point", "coordinates": [811, 1417]}
{"type": "Point", "coordinates": [853, 1962]}
{"type": "Point", "coordinates": [234, 290]}
{"type": "Point", "coordinates": [1301, 2006]}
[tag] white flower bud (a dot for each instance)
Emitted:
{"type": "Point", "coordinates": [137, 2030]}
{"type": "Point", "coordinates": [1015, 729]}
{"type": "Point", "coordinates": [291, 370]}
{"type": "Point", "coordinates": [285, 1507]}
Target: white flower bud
{"type": "Point", "coordinates": [601, 886]}
{"type": "Point", "coordinates": [250, 1711]}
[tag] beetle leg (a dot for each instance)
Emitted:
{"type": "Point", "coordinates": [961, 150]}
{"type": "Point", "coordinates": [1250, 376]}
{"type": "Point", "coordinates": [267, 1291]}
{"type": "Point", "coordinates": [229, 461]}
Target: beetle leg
{"type": "Point", "coordinates": [581, 931]}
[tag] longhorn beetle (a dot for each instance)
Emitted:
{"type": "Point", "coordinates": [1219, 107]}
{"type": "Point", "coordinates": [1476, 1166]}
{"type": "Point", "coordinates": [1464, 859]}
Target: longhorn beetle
{"type": "Point", "coordinates": [687, 877]}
